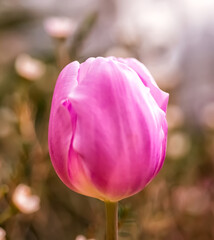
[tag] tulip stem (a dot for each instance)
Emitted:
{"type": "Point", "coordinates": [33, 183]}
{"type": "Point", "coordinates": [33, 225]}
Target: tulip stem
{"type": "Point", "coordinates": [111, 220]}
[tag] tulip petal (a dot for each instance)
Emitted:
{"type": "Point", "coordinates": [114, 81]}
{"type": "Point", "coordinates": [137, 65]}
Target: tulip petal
{"type": "Point", "coordinates": [160, 96]}
{"type": "Point", "coordinates": [118, 129]}
{"type": "Point", "coordinates": [62, 122]}
{"type": "Point", "coordinates": [62, 126]}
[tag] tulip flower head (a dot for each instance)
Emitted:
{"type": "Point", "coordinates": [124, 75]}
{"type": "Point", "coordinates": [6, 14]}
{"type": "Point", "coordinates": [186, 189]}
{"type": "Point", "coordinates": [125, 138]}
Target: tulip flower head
{"type": "Point", "coordinates": [107, 128]}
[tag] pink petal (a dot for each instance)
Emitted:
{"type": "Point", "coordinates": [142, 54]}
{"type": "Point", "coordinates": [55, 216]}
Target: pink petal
{"type": "Point", "coordinates": [118, 136]}
{"type": "Point", "coordinates": [62, 122]}
{"type": "Point", "coordinates": [160, 96]}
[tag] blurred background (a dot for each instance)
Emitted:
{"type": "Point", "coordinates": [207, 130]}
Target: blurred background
{"type": "Point", "coordinates": [175, 40]}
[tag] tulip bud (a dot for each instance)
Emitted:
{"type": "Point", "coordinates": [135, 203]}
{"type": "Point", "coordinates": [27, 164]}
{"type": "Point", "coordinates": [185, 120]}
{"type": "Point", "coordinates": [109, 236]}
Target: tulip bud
{"type": "Point", "coordinates": [107, 128]}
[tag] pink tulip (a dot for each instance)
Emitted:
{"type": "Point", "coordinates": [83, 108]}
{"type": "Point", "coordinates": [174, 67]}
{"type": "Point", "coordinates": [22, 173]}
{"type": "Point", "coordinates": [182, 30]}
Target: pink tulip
{"type": "Point", "coordinates": [107, 129]}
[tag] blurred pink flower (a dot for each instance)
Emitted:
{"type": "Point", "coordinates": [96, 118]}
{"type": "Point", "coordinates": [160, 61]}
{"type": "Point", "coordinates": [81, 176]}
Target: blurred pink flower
{"type": "Point", "coordinates": [24, 200]}
{"type": "Point", "coordinates": [59, 27]}
{"type": "Point", "coordinates": [107, 129]}
{"type": "Point", "coordinates": [193, 200]}
{"type": "Point", "coordinates": [2, 234]}
{"type": "Point", "coordinates": [207, 115]}
{"type": "Point", "coordinates": [80, 237]}
{"type": "Point", "coordinates": [175, 116]}
{"type": "Point", "coordinates": [29, 68]}
{"type": "Point", "coordinates": [179, 145]}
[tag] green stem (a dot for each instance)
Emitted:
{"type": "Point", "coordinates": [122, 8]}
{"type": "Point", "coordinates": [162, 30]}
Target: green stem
{"type": "Point", "coordinates": [111, 220]}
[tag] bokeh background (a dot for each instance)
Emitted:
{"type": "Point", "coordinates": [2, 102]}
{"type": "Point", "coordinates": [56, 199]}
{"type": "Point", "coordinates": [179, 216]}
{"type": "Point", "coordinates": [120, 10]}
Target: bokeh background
{"type": "Point", "coordinates": [175, 40]}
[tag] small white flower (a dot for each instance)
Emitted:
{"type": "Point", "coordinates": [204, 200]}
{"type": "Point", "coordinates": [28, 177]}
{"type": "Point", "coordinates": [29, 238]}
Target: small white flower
{"type": "Point", "coordinates": [29, 68]}
{"type": "Point", "coordinates": [80, 237]}
{"type": "Point", "coordinates": [24, 200]}
{"type": "Point", "coordinates": [59, 27]}
{"type": "Point", "coordinates": [2, 234]}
